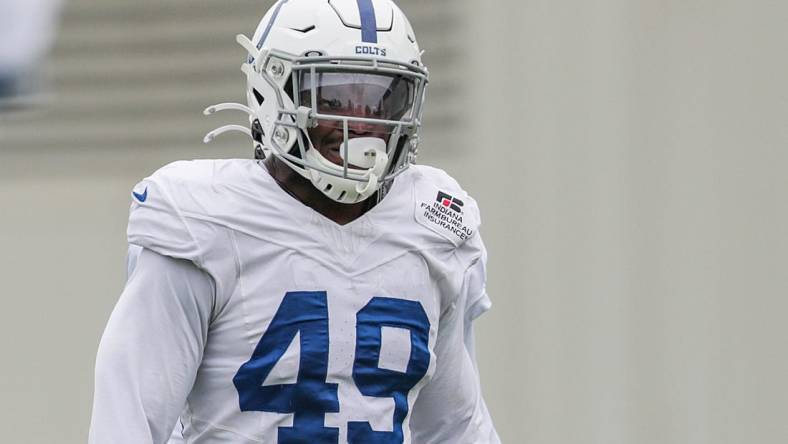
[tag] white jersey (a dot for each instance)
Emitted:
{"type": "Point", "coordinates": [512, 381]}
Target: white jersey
{"type": "Point", "coordinates": [254, 319]}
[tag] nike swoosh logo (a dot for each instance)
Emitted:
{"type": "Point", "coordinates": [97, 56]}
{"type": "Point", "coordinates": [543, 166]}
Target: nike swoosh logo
{"type": "Point", "coordinates": [141, 197]}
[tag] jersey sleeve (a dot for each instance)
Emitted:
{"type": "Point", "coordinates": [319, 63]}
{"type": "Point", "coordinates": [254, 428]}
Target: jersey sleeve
{"type": "Point", "coordinates": [450, 409]}
{"type": "Point", "coordinates": [171, 214]}
{"type": "Point", "coordinates": [150, 351]}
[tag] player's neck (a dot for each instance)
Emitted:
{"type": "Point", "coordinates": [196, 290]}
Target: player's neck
{"type": "Point", "coordinates": [303, 190]}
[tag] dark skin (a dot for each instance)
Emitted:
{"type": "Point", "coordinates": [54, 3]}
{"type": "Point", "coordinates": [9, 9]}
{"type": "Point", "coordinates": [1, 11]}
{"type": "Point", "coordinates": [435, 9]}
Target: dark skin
{"type": "Point", "coordinates": [327, 138]}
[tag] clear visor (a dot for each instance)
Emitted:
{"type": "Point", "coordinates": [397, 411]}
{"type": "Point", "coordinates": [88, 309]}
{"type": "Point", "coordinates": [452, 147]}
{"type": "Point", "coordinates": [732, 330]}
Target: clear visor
{"type": "Point", "coordinates": [389, 97]}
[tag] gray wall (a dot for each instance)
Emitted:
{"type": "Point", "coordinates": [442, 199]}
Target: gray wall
{"type": "Point", "coordinates": [629, 159]}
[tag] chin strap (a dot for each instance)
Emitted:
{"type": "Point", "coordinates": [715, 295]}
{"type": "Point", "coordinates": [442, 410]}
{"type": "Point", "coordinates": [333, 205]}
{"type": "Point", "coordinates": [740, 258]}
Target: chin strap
{"type": "Point", "coordinates": [363, 187]}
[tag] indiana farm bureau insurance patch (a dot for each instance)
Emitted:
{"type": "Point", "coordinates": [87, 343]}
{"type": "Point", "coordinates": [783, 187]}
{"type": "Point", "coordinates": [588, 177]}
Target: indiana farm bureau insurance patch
{"type": "Point", "coordinates": [444, 214]}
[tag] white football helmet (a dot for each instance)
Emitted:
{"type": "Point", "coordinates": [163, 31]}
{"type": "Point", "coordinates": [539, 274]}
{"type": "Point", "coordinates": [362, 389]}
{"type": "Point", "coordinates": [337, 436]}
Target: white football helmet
{"type": "Point", "coordinates": [350, 69]}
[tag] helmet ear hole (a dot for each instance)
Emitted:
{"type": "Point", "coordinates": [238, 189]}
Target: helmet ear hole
{"type": "Point", "coordinates": [259, 153]}
{"type": "Point", "coordinates": [257, 136]}
{"type": "Point", "coordinates": [257, 131]}
{"type": "Point", "coordinates": [259, 97]}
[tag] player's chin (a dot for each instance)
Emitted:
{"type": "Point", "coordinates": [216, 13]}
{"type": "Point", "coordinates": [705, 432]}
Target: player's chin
{"type": "Point", "coordinates": [331, 154]}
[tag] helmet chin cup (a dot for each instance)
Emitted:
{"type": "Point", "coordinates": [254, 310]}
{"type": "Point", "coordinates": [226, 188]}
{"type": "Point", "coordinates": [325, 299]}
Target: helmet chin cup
{"type": "Point", "coordinates": [363, 151]}
{"type": "Point", "coordinates": [352, 185]}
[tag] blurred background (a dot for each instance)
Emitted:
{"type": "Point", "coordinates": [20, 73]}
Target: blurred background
{"type": "Point", "coordinates": [629, 158]}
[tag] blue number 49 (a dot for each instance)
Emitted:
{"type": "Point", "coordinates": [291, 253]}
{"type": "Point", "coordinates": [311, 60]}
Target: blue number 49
{"type": "Point", "coordinates": [311, 397]}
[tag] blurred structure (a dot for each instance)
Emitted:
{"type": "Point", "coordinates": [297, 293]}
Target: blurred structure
{"type": "Point", "coordinates": [27, 28]}
{"type": "Point", "coordinates": [136, 74]}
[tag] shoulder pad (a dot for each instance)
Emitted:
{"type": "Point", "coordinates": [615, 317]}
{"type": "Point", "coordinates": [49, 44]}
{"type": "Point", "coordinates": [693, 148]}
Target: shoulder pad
{"type": "Point", "coordinates": [159, 203]}
{"type": "Point", "coordinates": [443, 206]}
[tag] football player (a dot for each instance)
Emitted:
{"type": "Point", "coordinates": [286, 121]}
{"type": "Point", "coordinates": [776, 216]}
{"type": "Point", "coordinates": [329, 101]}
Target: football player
{"type": "Point", "coordinates": [323, 292]}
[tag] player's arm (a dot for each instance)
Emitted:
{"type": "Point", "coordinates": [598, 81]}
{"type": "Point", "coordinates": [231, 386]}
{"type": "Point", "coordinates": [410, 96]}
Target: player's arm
{"type": "Point", "coordinates": [450, 409]}
{"type": "Point", "coordinates": [150, 351]}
